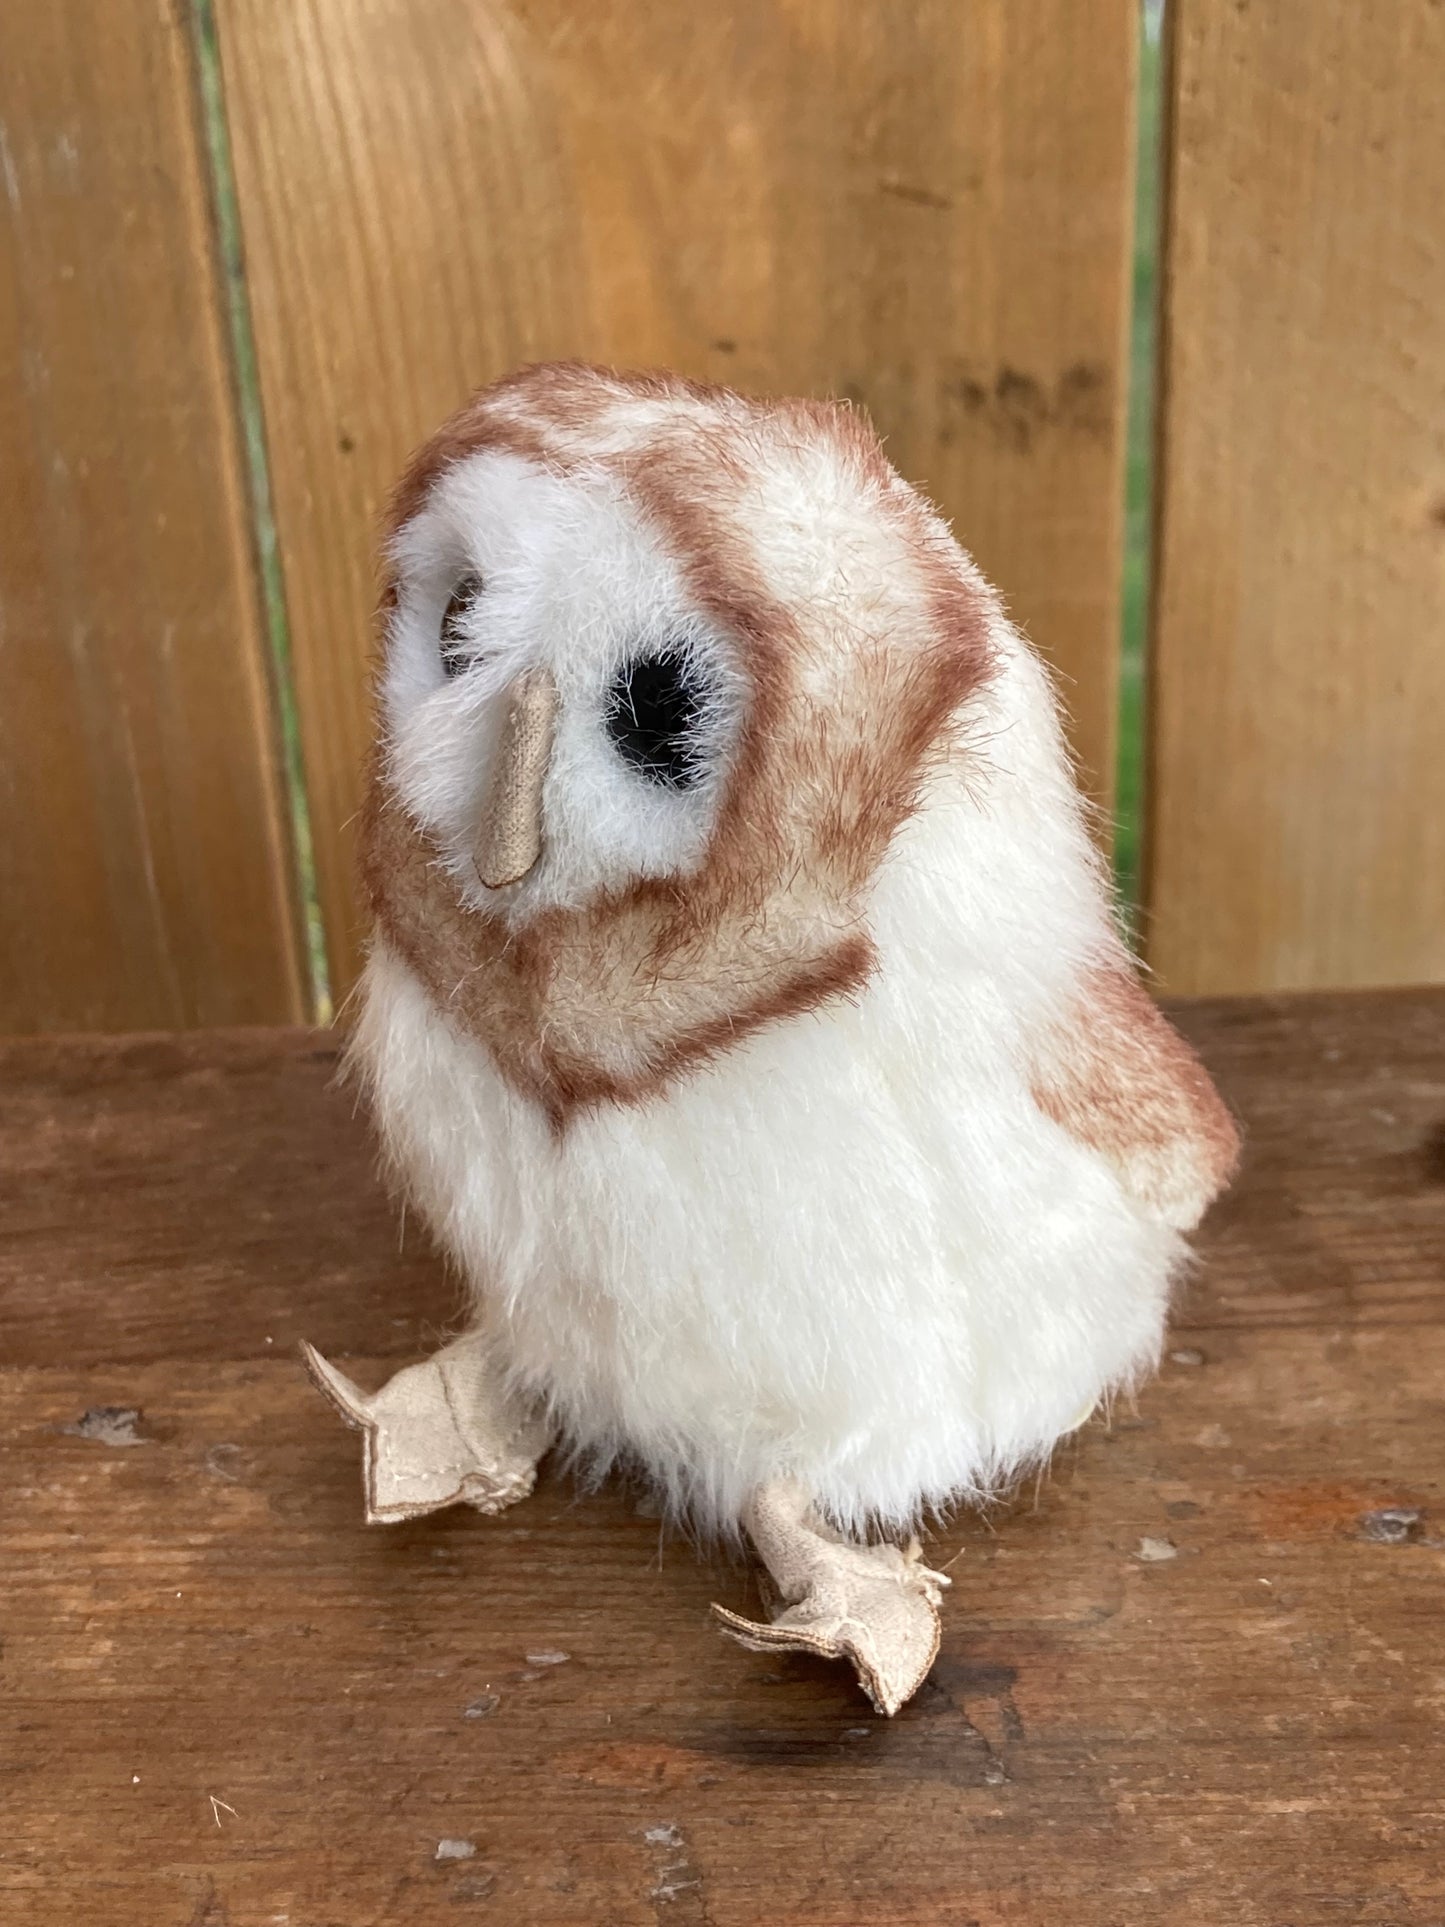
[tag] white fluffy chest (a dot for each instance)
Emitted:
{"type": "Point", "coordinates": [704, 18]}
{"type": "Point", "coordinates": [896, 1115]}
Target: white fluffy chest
{"type": "Point", "coordinates": [852, 1250]}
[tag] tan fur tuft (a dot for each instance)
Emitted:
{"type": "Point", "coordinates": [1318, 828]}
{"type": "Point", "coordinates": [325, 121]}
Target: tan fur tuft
{"type": "Point", "coordinates": [1121, 1079]}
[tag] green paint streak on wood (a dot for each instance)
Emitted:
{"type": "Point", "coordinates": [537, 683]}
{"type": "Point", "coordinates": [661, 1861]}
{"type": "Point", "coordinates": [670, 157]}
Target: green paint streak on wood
{"type": "Point", "coordinates": [1129, 770]}
{"type": "Point", "coordinates": [268, 555]}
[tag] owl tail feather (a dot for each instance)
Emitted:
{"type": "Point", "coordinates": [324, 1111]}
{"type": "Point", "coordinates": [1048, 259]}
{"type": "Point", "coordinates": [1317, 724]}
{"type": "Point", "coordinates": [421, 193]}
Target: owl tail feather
{"type": "Point", "coordinates": [876, 1606]}
{"type": "Point", "coordinates": [439, 1433]}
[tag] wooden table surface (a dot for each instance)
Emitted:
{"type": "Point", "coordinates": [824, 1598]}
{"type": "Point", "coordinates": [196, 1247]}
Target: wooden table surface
{"type": "Point", "coordinates": [1198, 1676]}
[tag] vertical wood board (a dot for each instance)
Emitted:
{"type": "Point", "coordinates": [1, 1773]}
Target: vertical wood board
{"type": "Point", "coordinates": [144, 869]}
{"type": "Point", "coordinates": [926, 207]}
{"type": "Point", "coordinates": [1297, 795]}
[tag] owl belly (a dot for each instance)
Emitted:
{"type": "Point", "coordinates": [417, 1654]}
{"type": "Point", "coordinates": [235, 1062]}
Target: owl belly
{"type": "Point", "coordinates": [797, 1261]}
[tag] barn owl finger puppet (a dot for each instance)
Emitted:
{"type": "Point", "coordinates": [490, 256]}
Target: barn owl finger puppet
{"type": "Point", "coordinates": [744, 1010]}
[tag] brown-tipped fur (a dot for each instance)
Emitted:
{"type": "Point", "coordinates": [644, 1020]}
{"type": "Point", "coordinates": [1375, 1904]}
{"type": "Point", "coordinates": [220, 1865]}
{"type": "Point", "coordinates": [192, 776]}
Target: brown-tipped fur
{"type": "Point", "coordinates": [1122, 1080]}
{"type": "Point", "coordinates": [611, 1001]}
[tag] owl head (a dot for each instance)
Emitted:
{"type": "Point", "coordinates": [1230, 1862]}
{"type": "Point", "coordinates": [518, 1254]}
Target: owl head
{"type": "Point", "coordinates": [665, 670]}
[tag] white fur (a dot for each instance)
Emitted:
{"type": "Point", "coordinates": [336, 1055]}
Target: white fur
{"type": "Point", "coordinates": [573, 579]}
{"type": "Point", "coordinates": [853, 1249]}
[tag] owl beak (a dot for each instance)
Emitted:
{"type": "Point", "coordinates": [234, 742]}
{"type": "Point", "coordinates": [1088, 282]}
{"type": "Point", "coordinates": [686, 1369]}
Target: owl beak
{"type": "Point", "coordinates": [509, 833]}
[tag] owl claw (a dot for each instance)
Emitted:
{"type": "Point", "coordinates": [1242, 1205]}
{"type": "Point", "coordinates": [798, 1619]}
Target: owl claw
{"type": "Point", "coordinates": [437, 1434]}
{"type": "Point", "coordinates": [876, 1606]}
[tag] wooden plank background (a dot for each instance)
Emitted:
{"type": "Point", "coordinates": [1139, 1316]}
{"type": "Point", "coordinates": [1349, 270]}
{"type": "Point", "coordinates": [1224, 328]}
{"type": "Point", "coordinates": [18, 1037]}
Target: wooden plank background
{"type": "Point", "coordinates": [1297, 817]}
{"type": "Point", "coordinates": [145, 877]}
{"type": "Point", "coordinates": [926, 206]}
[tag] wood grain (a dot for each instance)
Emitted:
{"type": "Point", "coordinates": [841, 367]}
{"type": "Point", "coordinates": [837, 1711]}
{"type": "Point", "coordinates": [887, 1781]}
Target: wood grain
{"type": "Point", "coordinates": [926, 207]}
{"type": "Point", "coordinates": [118, 1149]}
{"type": "Point", "coordinates": [1297, 794]}
{"type": "Point", "coordinates": [1248, 1731]}
{"type": "Point", "coordinates": [144, 866]}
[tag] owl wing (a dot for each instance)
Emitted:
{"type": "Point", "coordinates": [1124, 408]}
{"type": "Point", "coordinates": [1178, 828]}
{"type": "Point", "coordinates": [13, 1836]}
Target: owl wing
{"type": "Point", "coordinates": [1117, 1076]}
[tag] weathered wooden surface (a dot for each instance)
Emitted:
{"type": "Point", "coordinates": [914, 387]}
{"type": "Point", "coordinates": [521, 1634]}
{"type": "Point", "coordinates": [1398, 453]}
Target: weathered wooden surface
{"type": "Point", "coordinates": [927, 207]}
{"type": "Point", "coordinates": [1296, 829]}
{"type": "Point", "coordinates": [145, 875]}
{"type": "Point", "coordinates": [1245, 1732]}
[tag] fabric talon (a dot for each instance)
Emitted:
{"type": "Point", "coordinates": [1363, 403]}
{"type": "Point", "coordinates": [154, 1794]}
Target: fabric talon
{"type": "Point", "coordinates": [437, 1434]}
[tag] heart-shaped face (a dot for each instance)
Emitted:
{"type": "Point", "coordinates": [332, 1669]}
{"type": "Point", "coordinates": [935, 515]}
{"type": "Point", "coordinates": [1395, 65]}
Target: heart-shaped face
{"type": "Point", "coordinates": [665, 670]}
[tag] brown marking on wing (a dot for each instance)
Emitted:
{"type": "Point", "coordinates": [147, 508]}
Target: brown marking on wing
{"type": "Point", "coordinates": [1118, 1077]}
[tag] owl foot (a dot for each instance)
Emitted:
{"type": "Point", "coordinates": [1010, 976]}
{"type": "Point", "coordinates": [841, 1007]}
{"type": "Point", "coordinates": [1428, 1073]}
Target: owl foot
{"type": "Point", "coordinates": [874, 1605]}
{"type": "Point", "coordinates": [437, 1434]}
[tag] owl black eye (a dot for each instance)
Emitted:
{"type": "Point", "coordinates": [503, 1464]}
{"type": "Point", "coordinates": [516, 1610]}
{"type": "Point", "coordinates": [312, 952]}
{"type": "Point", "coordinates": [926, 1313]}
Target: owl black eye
{"type": "Point", "coordinates": [457, 655]}
{"type": "Point", "coordinates": [652, 710]}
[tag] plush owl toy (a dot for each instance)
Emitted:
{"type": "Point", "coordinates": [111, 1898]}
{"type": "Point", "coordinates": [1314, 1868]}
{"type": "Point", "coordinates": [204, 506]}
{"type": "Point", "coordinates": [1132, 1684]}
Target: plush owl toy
{"type": "Point", "coordinates": [744, 1011]}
